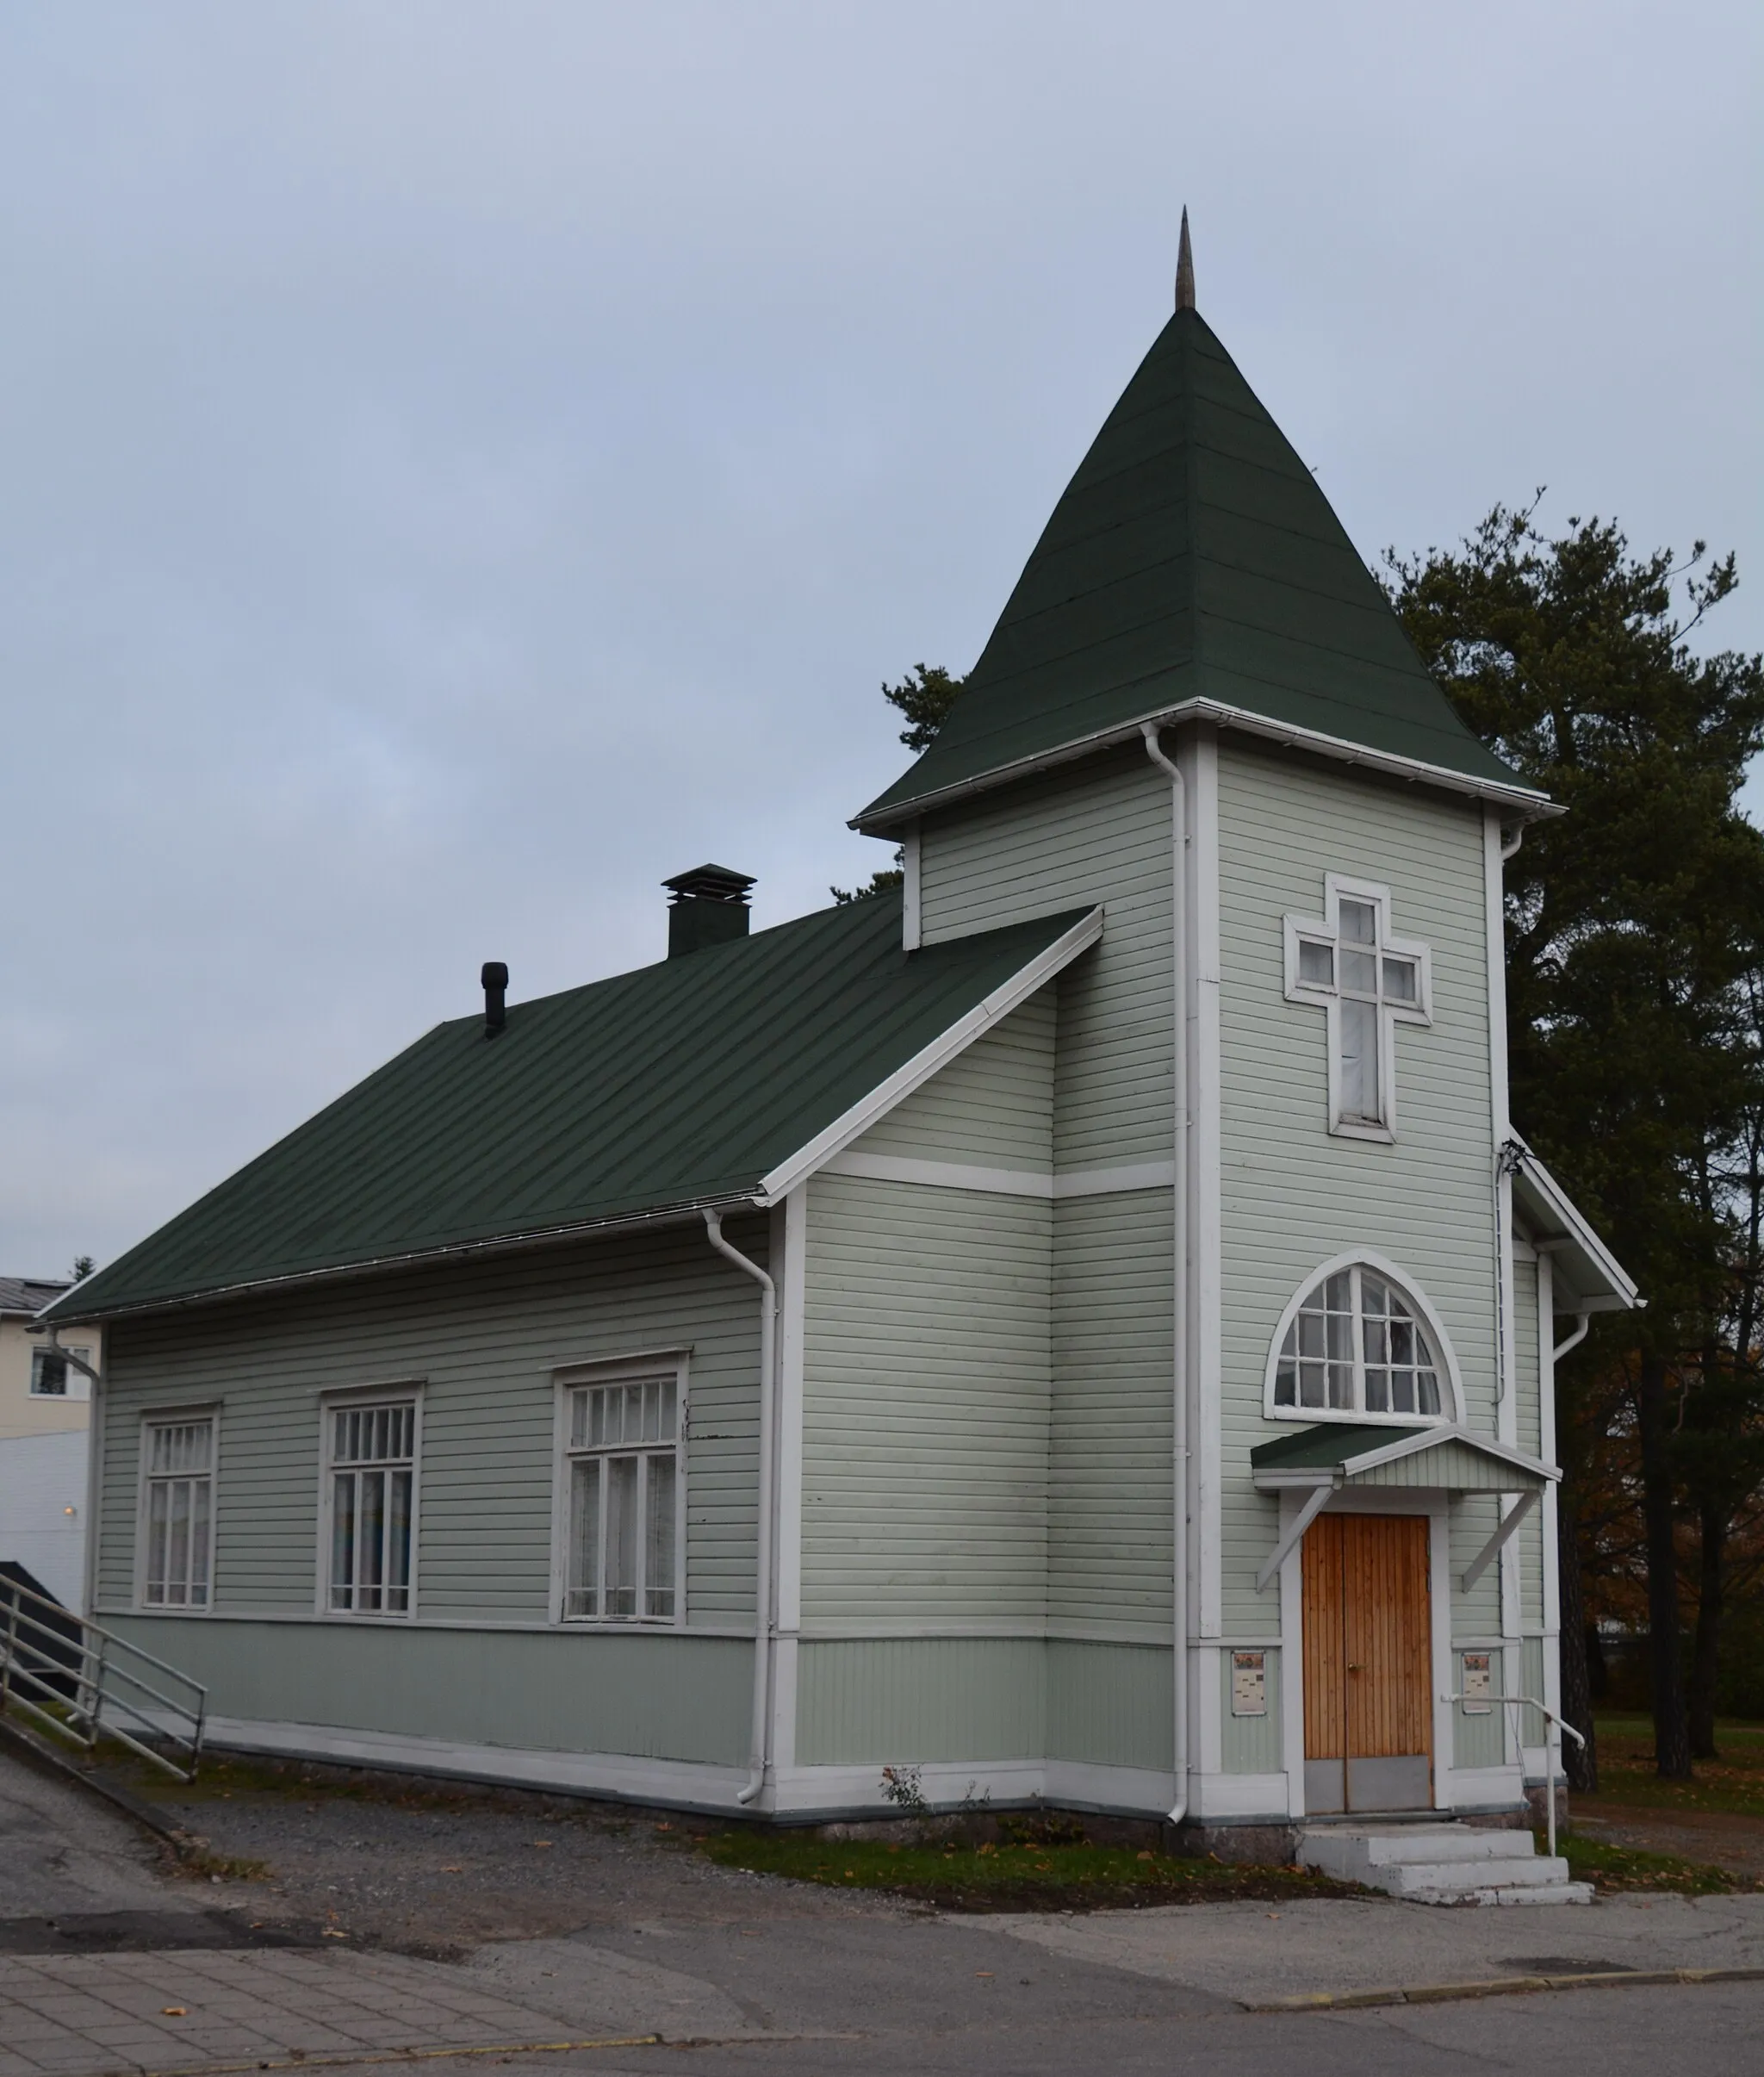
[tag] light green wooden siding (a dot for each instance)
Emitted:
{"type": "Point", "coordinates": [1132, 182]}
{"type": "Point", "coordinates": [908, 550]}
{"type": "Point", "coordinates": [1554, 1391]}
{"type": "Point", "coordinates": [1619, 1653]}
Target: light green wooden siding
{"type": "Point", "coordinates": [1110, 1705]}
{"type": "Point", "coordinates": [877, 1701]}
{"type": "Point", "coordinates": [1252, 1744]}
{"type": "Point", "coordinates": [992, 1106]}
{"type": "Point", "coordinates": [1292, 1194]}
{"type": "Point", "coordinates": [1474, 1518]}
{"type": "Point", "coordinates": [1451, 1464]}
{"type": "Point", "coordinates": [486, 1338]}
{"type": "Point", "coordinates": [649, 1695]}
{"type": "Point", "coordinates": [1101, 835]}
{"type": "Point", "coordinates": [1528, 1542]}
{"type": "Point", "coordinates": [881, 1701]}
{"type": "Point", "coordinates": [1532, 1722]}
{"type": "Point", "coordinates": [925, 1402]}
{"type": "Point", "coordinates": [1478, 1741]}
{"type": "Point", "coordinates": [1112, 1500]}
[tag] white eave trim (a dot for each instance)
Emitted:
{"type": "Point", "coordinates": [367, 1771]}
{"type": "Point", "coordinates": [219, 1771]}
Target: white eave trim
{"type": "Point", "coordinates": [1555, 1208]}
{"type": "Point", "coordinates": [1525, 801]}
{"type": "Point", "coordinates": [1431, 1439]}
{"type": "Point", "coordinates": [869, 1110]}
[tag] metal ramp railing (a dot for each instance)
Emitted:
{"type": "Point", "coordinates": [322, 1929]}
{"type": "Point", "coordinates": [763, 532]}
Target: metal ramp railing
{"type": "Point", "coordinates": [80, 1680]}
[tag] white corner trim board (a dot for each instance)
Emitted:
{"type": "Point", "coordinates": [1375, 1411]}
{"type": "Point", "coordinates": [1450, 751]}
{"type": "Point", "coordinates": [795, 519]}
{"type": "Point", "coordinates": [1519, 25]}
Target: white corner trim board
{"type": "Point", "coordinates": [858, 1119]}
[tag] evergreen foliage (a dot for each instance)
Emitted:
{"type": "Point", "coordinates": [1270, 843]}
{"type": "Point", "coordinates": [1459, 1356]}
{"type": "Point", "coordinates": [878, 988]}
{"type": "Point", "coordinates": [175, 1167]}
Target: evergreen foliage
{"type": "Point", "coordinates": [925, 696]}
{"type": "Point", "coordinates": [1635, 929]}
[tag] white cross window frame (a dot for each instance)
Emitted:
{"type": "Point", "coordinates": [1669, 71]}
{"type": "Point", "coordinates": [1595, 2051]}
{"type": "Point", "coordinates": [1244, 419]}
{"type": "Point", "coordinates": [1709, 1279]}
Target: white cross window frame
{"type": "Point", "coordinates": [1390, 1009]}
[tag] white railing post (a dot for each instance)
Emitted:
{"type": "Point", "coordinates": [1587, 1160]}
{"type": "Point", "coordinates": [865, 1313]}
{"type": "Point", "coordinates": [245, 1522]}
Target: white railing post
{"type": "Point", "coordinates": [1549, 1716]}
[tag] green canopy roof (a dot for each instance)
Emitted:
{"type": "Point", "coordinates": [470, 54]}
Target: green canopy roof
{"type": "Point", "coordinates": [1192, 560]}
{"type": "Point", "coordinates": [681, 1085]}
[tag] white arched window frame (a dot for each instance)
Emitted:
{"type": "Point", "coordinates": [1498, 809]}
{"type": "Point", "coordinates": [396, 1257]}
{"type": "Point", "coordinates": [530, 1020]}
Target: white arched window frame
{"type": "Point", "coordinates": [1451, 1390]}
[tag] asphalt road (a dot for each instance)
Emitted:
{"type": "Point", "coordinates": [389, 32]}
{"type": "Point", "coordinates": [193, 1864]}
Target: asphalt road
{"type": "Point", "coordinates": [611, 1931]}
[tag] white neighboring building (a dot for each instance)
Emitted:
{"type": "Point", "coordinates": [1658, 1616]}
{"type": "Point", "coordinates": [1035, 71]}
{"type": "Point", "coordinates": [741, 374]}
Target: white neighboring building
{"type": "Point", "coordinates": [45, 1413]}
{"type": "Point", "coordinates": [43, 1510]}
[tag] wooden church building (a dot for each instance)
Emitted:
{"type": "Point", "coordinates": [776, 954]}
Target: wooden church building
{"type": "Point", "coordinates": [1079, 1325]}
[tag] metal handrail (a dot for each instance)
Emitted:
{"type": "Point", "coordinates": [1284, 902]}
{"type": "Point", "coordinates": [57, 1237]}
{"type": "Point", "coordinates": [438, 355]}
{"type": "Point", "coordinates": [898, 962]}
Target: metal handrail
{"type": "Point", "coordinates": [38, 1668]}
{"type": "Point", "coordinates": [1531, 1701]}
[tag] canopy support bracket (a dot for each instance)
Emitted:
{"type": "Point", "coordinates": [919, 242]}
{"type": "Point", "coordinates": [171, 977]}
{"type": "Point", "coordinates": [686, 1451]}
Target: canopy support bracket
{"type": "Point", "coordinates": [1485, 1557]}
{"type": "Point", "coordinates": [1288, 1543]}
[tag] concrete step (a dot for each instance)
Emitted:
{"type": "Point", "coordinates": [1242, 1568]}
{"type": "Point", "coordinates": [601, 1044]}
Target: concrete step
{"type": "Point", "coordinates": [1553, 1893]}
{"type": "Point", "coordinates": [1443, 1864]}
{"type": "Point", "coordinates": [1352, 1852]}
{"type": "Point", "coordinates": [1410, 1878]}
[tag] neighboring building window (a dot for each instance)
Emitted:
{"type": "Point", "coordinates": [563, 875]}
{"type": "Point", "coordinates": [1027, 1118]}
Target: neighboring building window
{"type": "Point", "coordinates": [178, 1513]}
{"type": "Point", "coordinates": [622, 1444]}
{"type": "Point", "coordinates": [372, 1476]}
{"type": "Point", "coordinates": [1367, 981]}
{"type": "Point", "coordinates": [53, 1376]}
{"type": "Point", "coordinates": [1358, 1344]}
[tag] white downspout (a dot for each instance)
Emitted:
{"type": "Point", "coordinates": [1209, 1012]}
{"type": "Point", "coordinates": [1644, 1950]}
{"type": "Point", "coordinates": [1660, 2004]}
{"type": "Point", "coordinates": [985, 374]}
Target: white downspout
{"type": "Point", "coordinates": [1179, 1623]}
{"type": "Point", "coordinates": [763, 1561]}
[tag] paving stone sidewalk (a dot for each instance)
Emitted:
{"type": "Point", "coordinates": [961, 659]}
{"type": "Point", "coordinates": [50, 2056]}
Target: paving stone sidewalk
{"type": "Point", "coordinates": [72, 2014]}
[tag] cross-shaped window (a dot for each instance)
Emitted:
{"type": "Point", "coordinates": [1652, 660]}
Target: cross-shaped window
{"type": "Point", "coordinates": [1367, 981]}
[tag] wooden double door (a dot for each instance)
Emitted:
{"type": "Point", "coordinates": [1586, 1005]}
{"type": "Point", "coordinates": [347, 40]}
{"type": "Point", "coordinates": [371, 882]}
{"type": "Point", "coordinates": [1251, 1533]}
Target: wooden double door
{"type": "Point", "coordinates": [1369, 1714]}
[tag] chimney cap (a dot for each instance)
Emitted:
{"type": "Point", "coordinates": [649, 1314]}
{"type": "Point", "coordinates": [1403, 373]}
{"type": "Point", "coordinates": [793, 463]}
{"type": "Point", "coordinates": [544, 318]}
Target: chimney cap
{"type": "Point", "coordinates": [709, 883]}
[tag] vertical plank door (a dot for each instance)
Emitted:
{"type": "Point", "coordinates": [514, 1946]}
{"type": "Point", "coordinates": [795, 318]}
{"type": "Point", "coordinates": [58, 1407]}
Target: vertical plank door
{"type": "Point", "coordinates": [1387, 1637]}
{"type": "Point", "coordinates": [1326, 1666]}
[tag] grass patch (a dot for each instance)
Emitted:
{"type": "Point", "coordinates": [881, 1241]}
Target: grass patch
{"type": "Point", "coordinates": [1615, 1869]}
{"type": "Point", "coordinates": [1734, 1783]}
{"type": "Point", "coordinates": [1007, 1874]}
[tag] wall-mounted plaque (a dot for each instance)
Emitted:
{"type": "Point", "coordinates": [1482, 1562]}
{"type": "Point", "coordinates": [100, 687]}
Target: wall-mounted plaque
{"type": "Point", "coordinates": [1478, 1683]}
{"type": "Point", "coordinates": [1249, 1683]}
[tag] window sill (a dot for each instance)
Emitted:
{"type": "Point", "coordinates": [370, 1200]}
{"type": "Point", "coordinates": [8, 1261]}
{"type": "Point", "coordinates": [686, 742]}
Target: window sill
{"type": "Point", "coordinates": [613, 1626]}
{"type": "Point", "coordinates": [1356, 1128]}
{"type": "Point", "coordinates": [1350, 1418]}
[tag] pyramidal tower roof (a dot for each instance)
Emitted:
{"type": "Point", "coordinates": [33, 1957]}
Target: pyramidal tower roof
{"type": "Point", "coordinates": [1193, 566]}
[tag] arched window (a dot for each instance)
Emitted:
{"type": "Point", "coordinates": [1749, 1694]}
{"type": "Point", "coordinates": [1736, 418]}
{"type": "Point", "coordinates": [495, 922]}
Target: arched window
{"type": "Point", "coordinates": [1356, 1343]}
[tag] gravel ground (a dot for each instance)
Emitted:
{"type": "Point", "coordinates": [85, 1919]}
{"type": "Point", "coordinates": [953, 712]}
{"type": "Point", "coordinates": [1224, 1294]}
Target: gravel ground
{"type": "Point", "coordinates": [437, 1871]}
{"type": "Point", "coordinates": [1719, 1839]}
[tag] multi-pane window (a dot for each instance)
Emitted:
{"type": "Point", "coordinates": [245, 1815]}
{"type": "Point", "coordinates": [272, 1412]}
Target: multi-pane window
{"type": "Point", "coordinates": [53, 1377]}
{"type": "Point", "coordinates": [373, 1486]}
{"type": "Point", "coordinates": [1357, 1346]}
{"type": "Point", "coordinates": [623, 1441]}
{"type": "Point", "coordinates": [1348, 962]}
{"type": "Point", "coordinates": [178, 1513]}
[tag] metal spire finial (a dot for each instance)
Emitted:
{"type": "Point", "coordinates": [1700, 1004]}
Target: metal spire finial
{"type": "Point", "coordinates": [1185, 269]}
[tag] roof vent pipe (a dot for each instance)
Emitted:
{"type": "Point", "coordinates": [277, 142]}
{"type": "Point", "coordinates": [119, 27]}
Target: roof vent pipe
{"type": "Point", "coordinates": [496, 979]}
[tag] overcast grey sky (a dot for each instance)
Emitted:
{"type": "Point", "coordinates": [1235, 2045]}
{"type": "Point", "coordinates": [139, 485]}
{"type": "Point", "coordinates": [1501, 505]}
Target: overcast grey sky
{"type": "Point", "coordinates": [465, 463]}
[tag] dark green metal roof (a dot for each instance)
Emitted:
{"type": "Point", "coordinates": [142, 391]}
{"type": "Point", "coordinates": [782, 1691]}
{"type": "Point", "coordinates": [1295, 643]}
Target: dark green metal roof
{"type": "Point", "coordinates": [680, 1084]}
{"type": "Point", "coordinates": [1192, 558]}
{"type": "Point", "coordinates": [1328, 1444]}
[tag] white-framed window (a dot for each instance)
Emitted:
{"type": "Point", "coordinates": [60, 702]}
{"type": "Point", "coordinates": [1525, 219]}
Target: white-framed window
{"type": "Point", "coordinates": [53, 1377]}
{"type": "Point", "coordinates": [174, 1561]}
{"type": "Point", "coordinates": [622, 1493]}
{"type": "Point", "coordinates": [371, 1503]}
{"type": "Point", "coordinates": [1350, 964]}
{"type": "Point", "coordinates": [1358, 1342]}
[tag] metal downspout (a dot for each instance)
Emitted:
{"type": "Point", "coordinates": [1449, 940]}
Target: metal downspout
{"type": "Point", "coordinates": [763, 1561]}
{"type": "Point", "coordinates": [1179, 1411]}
